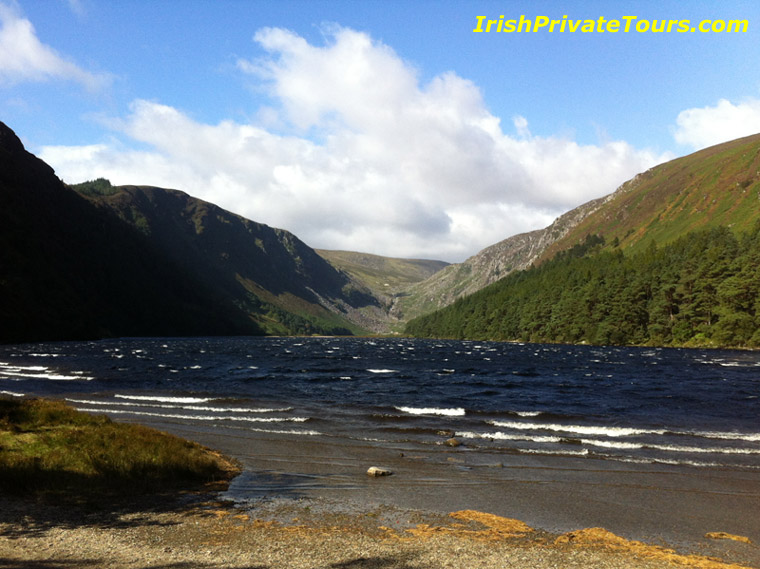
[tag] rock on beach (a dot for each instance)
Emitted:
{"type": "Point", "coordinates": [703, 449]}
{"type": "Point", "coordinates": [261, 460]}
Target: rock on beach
{"type": "Point", "coordinates": [376, 471]}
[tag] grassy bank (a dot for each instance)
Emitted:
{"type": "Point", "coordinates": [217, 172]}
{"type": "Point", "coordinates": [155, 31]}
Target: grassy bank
{"type": "Point", "coordinates": [46, 447]}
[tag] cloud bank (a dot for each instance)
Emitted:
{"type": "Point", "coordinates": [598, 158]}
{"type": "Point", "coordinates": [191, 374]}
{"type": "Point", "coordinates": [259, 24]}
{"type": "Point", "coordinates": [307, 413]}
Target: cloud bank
{"type": "Point", "coordinates": [356, 152]}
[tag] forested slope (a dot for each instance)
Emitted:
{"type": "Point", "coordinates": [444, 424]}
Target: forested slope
{"type": "Point", "coordinates": [702, 289]}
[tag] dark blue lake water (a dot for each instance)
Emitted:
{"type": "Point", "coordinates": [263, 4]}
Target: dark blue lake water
{"type": "Point", "coordinates": [671, 406]}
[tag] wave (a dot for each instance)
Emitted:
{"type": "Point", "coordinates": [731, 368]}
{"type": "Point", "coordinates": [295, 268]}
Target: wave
{"type": "Point", "coordinates": [382, 370]}
{"type": "Point", "coordinates": [44, 355]}
{"type": "Point", "coordinates": [18, 373]}
{"type": "Point", "coordinates": [582, 452]}
{"type": "Point", "coordinates": [457, 412]}
{"type": "Point", "coordinates": [165, 399]}
{"type": "Point", "coordinates": [751, 437]}
{"type": "Point", "coordinates": [188, 407]}
{"type": "Point", "coordinates": [612, 444]}
{"type": "Point", "coordinates": [619, 445]}
{"type": "Point", "coordinates": [706, 450]}
{"type": "Point", "coordinates": [579, 429]}
{"type": "Point", "coordinates": [12, 394]}
{"type": "Point", "coordinates": [507, 437]}
{"type": "Point", "coordinates": [198, 417]}
{"type": "Point", "coordinates": [682, 462]}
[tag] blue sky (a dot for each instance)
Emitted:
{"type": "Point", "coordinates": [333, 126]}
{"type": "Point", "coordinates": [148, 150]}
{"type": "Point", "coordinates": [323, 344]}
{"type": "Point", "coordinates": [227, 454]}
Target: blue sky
{"type": "Point", "coordinates": [382, 126]}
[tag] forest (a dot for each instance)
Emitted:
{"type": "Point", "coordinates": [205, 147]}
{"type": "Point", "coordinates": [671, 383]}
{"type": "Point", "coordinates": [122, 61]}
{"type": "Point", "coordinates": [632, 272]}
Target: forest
{"type": "Point", "coordinates": [700, 290]}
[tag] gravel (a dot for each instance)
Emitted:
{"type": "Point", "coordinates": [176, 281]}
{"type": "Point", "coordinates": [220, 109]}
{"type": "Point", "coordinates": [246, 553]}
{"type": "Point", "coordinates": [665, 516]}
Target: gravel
{"type": "Point", "coordinates": [199, 532]}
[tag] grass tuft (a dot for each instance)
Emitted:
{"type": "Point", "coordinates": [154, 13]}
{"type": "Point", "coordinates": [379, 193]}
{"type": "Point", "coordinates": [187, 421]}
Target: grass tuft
{"type": "Point", "coordinates": [48, 447]}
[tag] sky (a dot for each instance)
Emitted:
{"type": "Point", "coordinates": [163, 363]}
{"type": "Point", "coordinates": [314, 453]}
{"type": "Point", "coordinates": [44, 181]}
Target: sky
{"type": "Point", "coordinates": [382, 126]}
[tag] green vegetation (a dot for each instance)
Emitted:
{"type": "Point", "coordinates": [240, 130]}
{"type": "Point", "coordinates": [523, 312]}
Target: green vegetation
{"type": "Point", "coordinates": [98, 187]}
{"type": "Point", "coordinates": [714, 187]}
{"type": "Point", "coordinates": [382, 275]}
{"type": "Point", "coordinates": [48, 447]}
{"type": "Point", "coordinates": [703, 289]}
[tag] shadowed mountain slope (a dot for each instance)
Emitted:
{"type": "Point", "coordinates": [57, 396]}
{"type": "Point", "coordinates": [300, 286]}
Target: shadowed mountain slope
{"type": "Point", "coordinates": [140, 261]}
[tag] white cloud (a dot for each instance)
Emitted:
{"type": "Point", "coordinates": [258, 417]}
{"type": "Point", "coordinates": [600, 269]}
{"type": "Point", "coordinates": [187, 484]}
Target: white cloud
{"type": "Point", "coordinates": [703, 127]}
{"type": "Point", "coordinates": [23, 57]}
{"type": "Point", "coordinates": [375, 160]}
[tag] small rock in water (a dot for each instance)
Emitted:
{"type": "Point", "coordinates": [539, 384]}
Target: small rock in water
{"type": "Point", "coordinates": [452, 442]}
{"type": "Point", "coordinates": [378, 471]}
{"type": "Point", "coordinates": [446, 433]}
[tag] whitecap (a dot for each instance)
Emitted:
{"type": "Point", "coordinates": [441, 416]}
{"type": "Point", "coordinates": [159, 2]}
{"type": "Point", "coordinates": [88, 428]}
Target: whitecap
{"type": "Point", "coordinates": [611, 444]}
{"type": "Point", "coordinates": [164, 398]}
{"type": "Point", "coordinates": [187, 407]}
{"type": "Point", "coordinates": [578, 429]}
{"type": "Point", "coordinates": [499, 436]}
{"type": "Point", "coordinates": [582, 452]}
{"type": "Point", "coordinates": [20, 374]}
{"type": "Point", "coordinates": [706, 450]}
{"type": "Point", "coordinates": [199, 417]}
{"type": "Point", "coordinates": [457, 412]}
{"type": "Point", "coordinates": [752, 437]}
{"type": "Point", "coordinates": [382, 370]}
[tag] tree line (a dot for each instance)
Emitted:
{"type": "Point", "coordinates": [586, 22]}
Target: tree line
{"type": "Point", "coordinates": [700, 290]}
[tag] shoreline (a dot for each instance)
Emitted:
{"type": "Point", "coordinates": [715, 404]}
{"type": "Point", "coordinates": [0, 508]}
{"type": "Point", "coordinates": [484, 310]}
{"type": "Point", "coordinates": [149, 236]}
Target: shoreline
{"type": "Point", "coordinates": [200, 531]}
{"type": "Point", "coordinates": [657, 504]}
{"type": "Point", "coordinates": [308, 502]}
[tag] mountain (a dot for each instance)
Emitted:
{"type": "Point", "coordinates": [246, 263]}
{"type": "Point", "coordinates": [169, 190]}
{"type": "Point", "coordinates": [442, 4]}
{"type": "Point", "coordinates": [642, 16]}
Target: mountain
{"type": "Point", "coordinates": [99, 261]}
{"type": "Point", "coordinates": [717, 186]}
{"type": "Point", "coordinates": [383, 275]}
{"type": "Point", "coordinates": [273, 276]}
{"type": "Point", "coordinates": [488, 266]}
{"type": "Point", "coordinates": [700, 290]}
{"type": "Point", "coordinates": [388, 278]}
{"type": "Point", "coordinates": [69, 271]}
{"type": "Point", "coordinates": [670, 258]}
{"type": "Point", "coordinates": [712, 187]}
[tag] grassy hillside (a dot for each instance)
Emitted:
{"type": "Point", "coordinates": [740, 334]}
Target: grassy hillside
{"type": "Point", "coordinates": [383, 275]}
{"type": "Point", "coordinates": [717, 186]}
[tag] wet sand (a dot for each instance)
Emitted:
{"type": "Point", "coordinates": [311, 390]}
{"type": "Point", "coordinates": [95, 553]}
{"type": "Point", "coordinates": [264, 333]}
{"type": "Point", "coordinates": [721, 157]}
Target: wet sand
{"type": "Point", "coordinates": [658, 504]}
